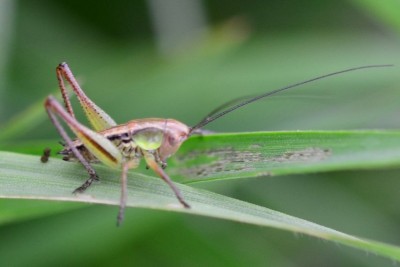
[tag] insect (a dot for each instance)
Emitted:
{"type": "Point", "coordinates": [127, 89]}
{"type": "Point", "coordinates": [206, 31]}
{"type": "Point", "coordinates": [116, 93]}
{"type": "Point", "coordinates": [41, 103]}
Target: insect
{"type": "Point", "coordinates": [124, 145]}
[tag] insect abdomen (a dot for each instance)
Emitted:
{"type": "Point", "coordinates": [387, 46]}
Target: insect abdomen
{"type": "Point", "coordinates": [123, 142]}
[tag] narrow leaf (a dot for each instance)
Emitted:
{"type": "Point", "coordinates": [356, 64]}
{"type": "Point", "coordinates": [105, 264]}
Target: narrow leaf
{"type": "Point", "coordinates": [226, 156]}
{"type": "Point", "coordinates": [24, 177]}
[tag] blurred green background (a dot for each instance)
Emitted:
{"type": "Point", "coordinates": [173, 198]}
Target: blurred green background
{"type": "Point", "coordinates": [180, 59]}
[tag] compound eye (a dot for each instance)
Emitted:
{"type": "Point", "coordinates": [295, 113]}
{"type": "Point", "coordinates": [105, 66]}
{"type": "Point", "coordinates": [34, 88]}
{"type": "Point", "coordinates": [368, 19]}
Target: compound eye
{"type": "Point", "coordinates": [148, 139]}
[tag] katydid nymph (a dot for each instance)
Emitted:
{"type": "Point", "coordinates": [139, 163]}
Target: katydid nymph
{"type": "Point", "coordinates": [124, 145]}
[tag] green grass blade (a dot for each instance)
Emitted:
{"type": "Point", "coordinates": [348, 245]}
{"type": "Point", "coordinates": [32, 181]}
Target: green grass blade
{"type": "Point", "coordinates": [239, 155]}
{"type": "Point", "coordinates": [24, 177]}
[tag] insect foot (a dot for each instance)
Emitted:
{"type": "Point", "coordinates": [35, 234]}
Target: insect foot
{"type": "Point", "coordinates": [93, 177]}
{"type": "Point", "coordinates": [46, 155]}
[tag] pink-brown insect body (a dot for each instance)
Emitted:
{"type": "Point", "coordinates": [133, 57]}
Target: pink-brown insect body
{"type": "Point", "coordinates": [162, 137]}
{"type": "Point", "coordinates": [122, 146]}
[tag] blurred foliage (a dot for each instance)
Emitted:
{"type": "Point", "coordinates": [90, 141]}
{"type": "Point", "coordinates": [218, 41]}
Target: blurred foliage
{"type": "Point", "coordinates": [250, 48]}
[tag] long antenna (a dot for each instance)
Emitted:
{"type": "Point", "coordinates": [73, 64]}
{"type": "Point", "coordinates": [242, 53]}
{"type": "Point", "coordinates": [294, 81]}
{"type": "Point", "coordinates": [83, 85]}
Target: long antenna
{"type": "Point", "coordinates": [212, 117]}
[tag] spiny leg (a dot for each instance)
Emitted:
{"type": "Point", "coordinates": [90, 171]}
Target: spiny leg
{"type": "Point", "coordinates": [87, 183]}
{"type": "Point", "coordinates": [151, 162]}
{"type": "Point", "coordinates": [98, 118]}
{"type": "Point", "coordinates": [51, 105]}
{"type": "Point", "coordinates": [97, 144]}
{"type": "Point", "coordinates": [64, 93]}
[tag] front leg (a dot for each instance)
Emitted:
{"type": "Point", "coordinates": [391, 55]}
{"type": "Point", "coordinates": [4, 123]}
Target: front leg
{"type": "Point", "coordinates": [158, 159]}
{"type": "Point", "coordinates": [152, 163]}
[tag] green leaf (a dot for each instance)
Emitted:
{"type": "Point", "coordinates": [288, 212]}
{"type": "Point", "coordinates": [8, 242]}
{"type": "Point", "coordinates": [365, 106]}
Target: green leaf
{"type": "Point", "coordinates": [24, 177]}
{"type": "Point", "coordinates": [239, 155]}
